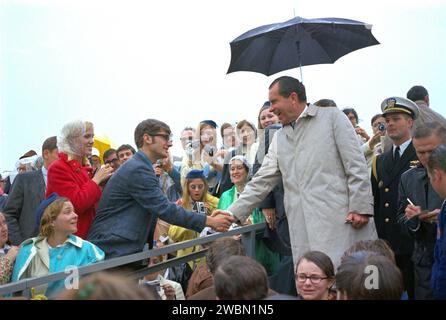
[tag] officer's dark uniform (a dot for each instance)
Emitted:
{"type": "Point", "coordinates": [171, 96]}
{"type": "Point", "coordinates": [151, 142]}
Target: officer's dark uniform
{"type": "Point", "coordinates": [386, 173]}
{"type": "Point", "coordinates": [415, 185]}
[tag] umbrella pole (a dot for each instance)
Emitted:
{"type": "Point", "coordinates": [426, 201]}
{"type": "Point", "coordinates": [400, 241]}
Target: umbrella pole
{"type": "Point", "coordinates": [300, 60]}
{"type": "Point", "coordinates": [301, 76]}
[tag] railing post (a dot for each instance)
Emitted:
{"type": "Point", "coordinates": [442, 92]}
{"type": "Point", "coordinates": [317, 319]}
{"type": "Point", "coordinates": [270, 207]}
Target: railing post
{"type": "Point", "coordinates": [249, 243]}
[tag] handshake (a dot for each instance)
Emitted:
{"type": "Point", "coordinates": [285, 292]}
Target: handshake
{"type": "Point", "coordinates": [220, 220]}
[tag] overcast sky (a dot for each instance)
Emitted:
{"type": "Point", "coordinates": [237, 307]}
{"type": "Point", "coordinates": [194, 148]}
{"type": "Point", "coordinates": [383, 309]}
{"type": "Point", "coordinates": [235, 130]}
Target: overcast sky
{"type": "Point", "coordinates": [117, 63]}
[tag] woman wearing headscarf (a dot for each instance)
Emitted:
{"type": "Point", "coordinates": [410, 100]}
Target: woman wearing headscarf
{"type": "Point", "coordinates": [247, 135]}
{"type": "Point", "coordinates": [72, 176]}
{"type": "Point", "coordinates": [240, 169]}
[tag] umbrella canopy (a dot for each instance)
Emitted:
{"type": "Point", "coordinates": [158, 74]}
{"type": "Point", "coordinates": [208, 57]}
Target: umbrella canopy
{"type": "Point", "coordinates": [102, 142]}
{"type": "Point", "coordinates": [298, 42]}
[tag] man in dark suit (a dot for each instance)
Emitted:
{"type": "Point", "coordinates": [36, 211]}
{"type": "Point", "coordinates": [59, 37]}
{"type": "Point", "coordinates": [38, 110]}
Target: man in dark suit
{"type": "Point", "coordinates": [419, 217]}
{"type": "Point", "coordinates": [27, 191]}
{"type": "Point", "coordinates": [132, 200]}
{"type": "Point", "coordinates": [387, 169]}
{"type": "Point", "coordinates": [436, 166]}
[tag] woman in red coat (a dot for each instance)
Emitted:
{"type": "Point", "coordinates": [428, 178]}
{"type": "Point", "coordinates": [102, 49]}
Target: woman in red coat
{"type": "Point", "coordinates": [71, 176]}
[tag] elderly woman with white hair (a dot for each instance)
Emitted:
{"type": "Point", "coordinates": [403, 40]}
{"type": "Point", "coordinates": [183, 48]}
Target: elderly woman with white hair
{"type": "Point", "coordinates": [240, 169]}
{"type": "Point", "coordinates": [71, 176]}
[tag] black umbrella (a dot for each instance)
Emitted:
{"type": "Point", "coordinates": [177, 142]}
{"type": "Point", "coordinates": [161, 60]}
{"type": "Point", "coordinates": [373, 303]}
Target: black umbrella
{"type": "Point", "coordinates": [298, 42]}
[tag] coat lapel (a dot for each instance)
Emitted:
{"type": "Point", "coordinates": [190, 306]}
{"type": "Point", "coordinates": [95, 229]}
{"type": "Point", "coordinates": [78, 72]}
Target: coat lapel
{"type": "Point", "coordinates": [388, 162]}
{"type": "Point", "coordinates": [403, 165]}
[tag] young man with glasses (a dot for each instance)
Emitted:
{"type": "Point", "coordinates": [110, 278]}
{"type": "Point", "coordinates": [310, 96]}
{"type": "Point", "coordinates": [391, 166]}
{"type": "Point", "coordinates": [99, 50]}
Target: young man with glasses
{"type": "Point", "coordinates": [132, 200]}
{"type": "Point", "coordinates": [111, 157]}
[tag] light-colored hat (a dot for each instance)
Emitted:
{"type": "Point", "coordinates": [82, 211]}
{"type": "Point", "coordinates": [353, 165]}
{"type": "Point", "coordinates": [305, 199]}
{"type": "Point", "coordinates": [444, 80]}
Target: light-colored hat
{"type": "Point", "coordinates": [400, 105]}
{"type": "Point", "coordinates": [95, 152]}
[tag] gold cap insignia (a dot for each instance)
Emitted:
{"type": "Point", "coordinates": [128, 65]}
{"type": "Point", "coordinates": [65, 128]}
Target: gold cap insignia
{"type": "Point", "coordinates": [390, 103]}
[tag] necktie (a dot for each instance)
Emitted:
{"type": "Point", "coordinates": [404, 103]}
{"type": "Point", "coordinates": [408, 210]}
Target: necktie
{"type": "Point", "coordinates": [396, 155]}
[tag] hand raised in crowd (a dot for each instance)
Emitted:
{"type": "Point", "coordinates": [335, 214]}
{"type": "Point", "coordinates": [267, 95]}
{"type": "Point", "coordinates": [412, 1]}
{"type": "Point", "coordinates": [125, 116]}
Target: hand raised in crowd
{"type": "Point", "coordinates": [270, 217]}
{"type": "Point", "coordinates": [158, 171]}
{"type": "Point", "coordinates": [206, 157]}
{"type": "Point", "coordinates": [169, 291]}
{"type": "Point", "coordinates": [167, 164]}
{"type": "Point", "coordinates": [104, 173]}
{"type": "Point", "coordinates": [222, 153]}
{"type": "Point", "coordinates": [375, 139]}
{"type": "Point", "coordinates": [357, 220]}
{"type": "Point", "coordinates": [220, 220]}
{"type": "Point", "coordinates": [362, 132]}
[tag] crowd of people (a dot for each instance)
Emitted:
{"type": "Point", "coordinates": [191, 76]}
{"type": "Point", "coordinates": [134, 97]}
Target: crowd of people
{"type": "Point", "coordinates": [348, 215]}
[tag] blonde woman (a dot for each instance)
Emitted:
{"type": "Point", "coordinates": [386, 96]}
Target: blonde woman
{"type": "Point", "coordinates": [195, 198]}
{"type": "Point", "coordinates": [56, 247]}
{"type": "Point", "coordinates": [72, 176]}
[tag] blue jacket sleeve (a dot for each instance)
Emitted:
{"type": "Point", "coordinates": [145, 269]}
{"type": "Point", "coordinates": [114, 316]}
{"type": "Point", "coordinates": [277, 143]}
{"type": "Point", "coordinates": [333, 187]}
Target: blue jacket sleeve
{"type": "Point", "coordinates": [146, 191]}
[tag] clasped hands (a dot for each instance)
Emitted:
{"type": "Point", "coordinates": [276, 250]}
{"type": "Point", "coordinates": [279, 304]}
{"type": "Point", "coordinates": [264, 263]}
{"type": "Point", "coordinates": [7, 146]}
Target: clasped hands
{"type": "Point", "coordinates": [220, 220]}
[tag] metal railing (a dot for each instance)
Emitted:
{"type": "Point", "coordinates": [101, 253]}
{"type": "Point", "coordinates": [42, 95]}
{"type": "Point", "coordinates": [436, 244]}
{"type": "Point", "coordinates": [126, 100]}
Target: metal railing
{"type": "Point", "coordinates": [248, 240]}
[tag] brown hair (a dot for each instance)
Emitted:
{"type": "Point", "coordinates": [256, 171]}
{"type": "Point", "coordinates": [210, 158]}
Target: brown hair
{"type": "Point", "coordinates": [49, 216]}
{"type": "Point", "coordinates": [379, 246]}
{"type": "Point", "coordinates": [149, 127]}
{"type": "Point", "coordinates": [223, 127]}
{"type": "Point", "coordinates": [240, 278]}
{"type": "Point", "coordinates": [49, 144]}
{"type": "Point", "coordinates": [220, 250]}
{"type": "Point", "coordinates": [246, 122]}
{"type": "Point", "coordinates": [108, 286]}
{"type": "Point", "coordinates": [354, 272]}
{"type": "Point", "coordinates": [265, 106]}
{"type": "Point", "coordinates": [321, 260]}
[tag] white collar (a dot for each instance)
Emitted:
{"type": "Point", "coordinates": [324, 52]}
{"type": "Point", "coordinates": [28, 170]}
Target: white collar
{"type": "Point", "coordinates": [403, 147]}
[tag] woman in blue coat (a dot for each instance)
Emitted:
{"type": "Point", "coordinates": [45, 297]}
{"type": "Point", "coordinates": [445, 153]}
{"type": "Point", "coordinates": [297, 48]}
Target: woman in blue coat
{"type": "Point", "coordinates": [56, 248]}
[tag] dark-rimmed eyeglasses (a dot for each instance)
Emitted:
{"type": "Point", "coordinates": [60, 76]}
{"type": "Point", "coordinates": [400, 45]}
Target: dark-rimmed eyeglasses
{"type": "Point", "coordinates": [167, 137]}
{"type": "Point", "coordinates": [314, 278]}
{"type": "Point", "coordinates": [111, 161]}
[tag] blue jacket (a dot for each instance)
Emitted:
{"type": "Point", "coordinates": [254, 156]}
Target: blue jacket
{"type": "Point", "coordinates": [439, 268]}
{"type": "Point", "coordinates": [130, 205]}
{"type": "Point", "coordinates": [74, 252]}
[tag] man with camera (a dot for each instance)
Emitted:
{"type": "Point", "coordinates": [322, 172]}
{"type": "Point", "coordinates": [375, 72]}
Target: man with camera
{"type": "Point", "coordinates": [387, 169]}
{"type": "Point", "coordinates": [374, 146]}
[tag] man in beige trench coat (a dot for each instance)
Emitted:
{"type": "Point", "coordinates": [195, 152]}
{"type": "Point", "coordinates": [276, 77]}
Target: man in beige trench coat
{"type": "Point", "coordinates": [328, 198]}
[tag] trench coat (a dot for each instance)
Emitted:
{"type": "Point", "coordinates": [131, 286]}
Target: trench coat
{"type": "Point", "coordinates": [325, 177]}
